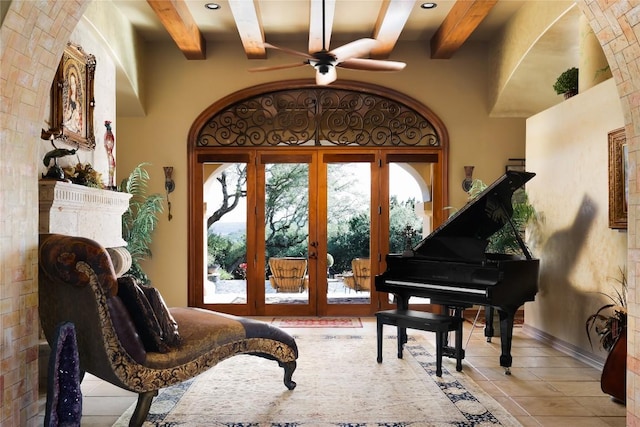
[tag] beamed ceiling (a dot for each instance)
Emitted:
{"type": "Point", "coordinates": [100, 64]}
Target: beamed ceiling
{"type": "Point", "coordinates": [445, 29]}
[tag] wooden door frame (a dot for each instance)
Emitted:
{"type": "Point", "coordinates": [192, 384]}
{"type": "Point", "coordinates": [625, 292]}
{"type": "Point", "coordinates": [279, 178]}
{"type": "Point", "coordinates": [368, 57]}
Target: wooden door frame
{"type": "Point", "coordinates": [197, 153]}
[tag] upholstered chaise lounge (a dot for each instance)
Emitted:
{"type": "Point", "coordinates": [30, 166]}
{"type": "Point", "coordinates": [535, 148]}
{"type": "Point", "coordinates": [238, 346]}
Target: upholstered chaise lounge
{"type": "Point", "coordinates": [77, 284]}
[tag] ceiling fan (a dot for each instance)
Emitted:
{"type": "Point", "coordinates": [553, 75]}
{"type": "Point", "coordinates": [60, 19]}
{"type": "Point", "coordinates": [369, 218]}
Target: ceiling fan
{"type": "Point", "coordinates": [346, 56]}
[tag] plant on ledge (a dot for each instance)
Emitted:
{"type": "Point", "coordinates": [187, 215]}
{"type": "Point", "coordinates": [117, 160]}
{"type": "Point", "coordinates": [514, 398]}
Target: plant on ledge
{"type": "Point", "coordinates": [610, 320]}
{"type": "Point", "coordinates": [84, 174]}
{"type": "Point", "coordinates": [140, 219]}
{"type": "Point", "coordinates": [567, 83]}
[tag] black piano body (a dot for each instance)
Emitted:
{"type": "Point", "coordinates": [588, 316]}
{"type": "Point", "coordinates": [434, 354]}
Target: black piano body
{"type": "Point", "coordinates": [452, 268]}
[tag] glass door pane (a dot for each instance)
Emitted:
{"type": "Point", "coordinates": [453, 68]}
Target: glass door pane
{"type": "Point", "coordinates": [226, 234]}
{"type": "Point", "coordinates": [286, 233]}
{"type": "Point", "coordinates": [409, 208]}
{"type": "Point", "coordinates": [348, 233]}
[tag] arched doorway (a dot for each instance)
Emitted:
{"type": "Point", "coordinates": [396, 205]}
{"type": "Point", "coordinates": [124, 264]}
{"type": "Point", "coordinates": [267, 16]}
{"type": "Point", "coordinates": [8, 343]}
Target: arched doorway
{"type": "Point", "coordinates": [309, 137]}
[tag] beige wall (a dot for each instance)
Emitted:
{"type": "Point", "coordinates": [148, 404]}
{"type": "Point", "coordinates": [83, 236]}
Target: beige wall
{"type": "Point", "coordinates": [179, 90]}
{"type": "Point", "coordinates": [567, 147]}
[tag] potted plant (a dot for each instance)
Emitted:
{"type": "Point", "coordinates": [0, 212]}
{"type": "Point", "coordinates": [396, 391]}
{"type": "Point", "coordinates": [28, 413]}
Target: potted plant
{"type": "Point", "coordinates": [567, 83]}
{"type": "Point", "coordinates": [609, 323]}
{"type": "Point", "coordinates": [140, 219]}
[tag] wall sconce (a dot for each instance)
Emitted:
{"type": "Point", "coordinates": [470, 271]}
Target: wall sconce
{"type": "Point", "coordinates": [467, 182]}
{"type": "Point", "coordinates": [169, 186]}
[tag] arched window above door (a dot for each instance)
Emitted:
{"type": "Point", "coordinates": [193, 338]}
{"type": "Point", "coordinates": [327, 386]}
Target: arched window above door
{"type": "Point", "coordinates": [319, 116]}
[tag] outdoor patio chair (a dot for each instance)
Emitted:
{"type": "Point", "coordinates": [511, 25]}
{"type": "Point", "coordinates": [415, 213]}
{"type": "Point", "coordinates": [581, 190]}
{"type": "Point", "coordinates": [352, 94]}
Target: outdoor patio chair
{"type": "Point", "coordinates": [288, 274]}
{"type": "Point", "coordinates": [361, 274]}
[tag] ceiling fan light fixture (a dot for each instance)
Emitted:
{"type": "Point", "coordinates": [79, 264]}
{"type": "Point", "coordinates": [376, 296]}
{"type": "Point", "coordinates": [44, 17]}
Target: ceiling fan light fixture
{"type": "Point", "coordinates": [429, 5]}
{"type": "Point", "coordinates": [323, 68]}
{"type": "Point", "coordinates": [212, 6]}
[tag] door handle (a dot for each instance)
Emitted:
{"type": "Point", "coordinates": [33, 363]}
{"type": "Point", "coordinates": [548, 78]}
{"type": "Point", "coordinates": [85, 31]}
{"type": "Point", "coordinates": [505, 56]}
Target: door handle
{"type": "Point", "coordinates": [313, 255]}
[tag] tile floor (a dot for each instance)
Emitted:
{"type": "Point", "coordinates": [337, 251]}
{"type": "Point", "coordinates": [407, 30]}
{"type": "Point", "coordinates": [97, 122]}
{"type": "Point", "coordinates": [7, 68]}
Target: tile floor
{"type": "Point", "coordinates": [546, 388]}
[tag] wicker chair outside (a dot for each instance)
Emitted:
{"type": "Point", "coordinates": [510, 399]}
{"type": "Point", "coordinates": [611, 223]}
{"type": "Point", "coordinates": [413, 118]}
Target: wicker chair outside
{"type": "Point", "coordinates": [361, 273]}
{"type": "Point", "coordinates": [288, 274]}
{"type": "Point", "coordinates": [360, 279]}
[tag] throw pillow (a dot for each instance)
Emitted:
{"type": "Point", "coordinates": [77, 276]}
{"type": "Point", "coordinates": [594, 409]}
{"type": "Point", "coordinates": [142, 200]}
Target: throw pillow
{"type": "Point", "coordinates": [168, 324]}
{"type": "Point", "coordinates": [126, 330]}
{"type": "Point", "coordinates": [142, 314]}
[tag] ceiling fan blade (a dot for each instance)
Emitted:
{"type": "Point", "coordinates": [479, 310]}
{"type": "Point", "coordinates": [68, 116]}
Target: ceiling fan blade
{"type": "Point", "coordinates": [355, 49]}
{"type": "Point", "coordinates": [289, 51]}
{"type": "Point", "coordinates": [372, 64]}
{"type": "Point", "coordinates": [327, 78]}
{"type": "Point", "coordinates": [278, 67]}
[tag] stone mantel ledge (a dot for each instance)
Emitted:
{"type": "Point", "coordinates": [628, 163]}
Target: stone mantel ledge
{"type": "Point", "coordinates": [77, 210]}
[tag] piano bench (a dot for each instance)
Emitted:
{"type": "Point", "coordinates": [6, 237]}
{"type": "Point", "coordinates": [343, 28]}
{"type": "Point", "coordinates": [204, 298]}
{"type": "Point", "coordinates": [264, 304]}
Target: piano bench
{"type": "Point", "coordinates": [441, 324]}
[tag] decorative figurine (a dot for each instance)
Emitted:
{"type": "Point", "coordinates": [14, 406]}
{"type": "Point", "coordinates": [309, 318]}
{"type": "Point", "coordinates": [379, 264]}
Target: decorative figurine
{"type": "Point", "coordinates": [109, 144]}
{"type": "Point", "coordinates": [408, 233]}
{"type": "Point", "coordinates": [55, 171]}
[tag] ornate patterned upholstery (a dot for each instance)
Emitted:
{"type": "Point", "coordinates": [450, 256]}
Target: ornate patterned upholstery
{"type": "Point", "coordinates": [77, 284]}
{"type": "Point", "coordinates": [288, 274]}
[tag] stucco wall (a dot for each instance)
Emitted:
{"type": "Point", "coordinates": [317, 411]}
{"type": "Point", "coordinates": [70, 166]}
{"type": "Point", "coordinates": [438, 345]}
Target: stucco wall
{"type": "Point", "coordinates": [567, 146]}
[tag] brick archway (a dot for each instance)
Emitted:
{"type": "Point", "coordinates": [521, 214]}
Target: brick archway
{"type": "Point", "coordinates": [34, 35]}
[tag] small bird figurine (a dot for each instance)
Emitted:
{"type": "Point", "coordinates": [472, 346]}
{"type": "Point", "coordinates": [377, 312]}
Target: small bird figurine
{"type": "Point", "coordinates": [55, 171]}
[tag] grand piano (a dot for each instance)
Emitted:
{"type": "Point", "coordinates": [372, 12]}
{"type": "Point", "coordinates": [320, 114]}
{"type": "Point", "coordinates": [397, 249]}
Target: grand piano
{"type": "Point", "coordinates": [452, 268]}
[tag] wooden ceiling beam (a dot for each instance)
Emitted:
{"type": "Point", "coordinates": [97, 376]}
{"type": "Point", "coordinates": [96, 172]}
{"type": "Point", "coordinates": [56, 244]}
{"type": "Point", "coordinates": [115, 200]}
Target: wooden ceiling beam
{"type": "Point", "coordinates": [247, 17]}
{"type": "Point", "coordinates": [463, 18]}
{"type": "Point", "coordinates": [391, 20]}
{"type": "Point", "coordinates": [315, 24]}
{"type": "Point", "coordinates": [177, 20]}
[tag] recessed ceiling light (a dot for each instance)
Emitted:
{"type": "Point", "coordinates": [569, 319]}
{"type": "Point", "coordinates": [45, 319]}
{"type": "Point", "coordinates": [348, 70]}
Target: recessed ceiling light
{"type": "Point", "coordinates": [212, 6]}
{"type": "Point", "coordinates": [428, 5]}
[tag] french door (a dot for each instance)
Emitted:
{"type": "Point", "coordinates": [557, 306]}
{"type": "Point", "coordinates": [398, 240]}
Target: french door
{"type": "Point", "coordinates": [308, 232]}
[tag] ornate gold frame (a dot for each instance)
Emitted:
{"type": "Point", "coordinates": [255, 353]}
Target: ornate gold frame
{"type": "Point", "coordinates": [618, 188]}
{"type": "Point", "coordinates": [72, 98]}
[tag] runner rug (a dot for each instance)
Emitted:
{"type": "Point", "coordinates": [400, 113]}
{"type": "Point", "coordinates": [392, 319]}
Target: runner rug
{"type": "Point", "coordinates": [317, 322]}
{"type": "Point", "coordinates": [339, 384]}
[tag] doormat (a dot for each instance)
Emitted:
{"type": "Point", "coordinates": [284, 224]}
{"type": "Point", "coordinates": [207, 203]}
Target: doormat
{"type": "Point", "coordinates": [317, 322]}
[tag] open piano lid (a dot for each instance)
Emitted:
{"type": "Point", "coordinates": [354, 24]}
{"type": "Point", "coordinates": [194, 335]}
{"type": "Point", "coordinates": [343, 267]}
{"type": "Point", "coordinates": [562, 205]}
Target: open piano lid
{"type": "Point", "coordinates": [464, 236]}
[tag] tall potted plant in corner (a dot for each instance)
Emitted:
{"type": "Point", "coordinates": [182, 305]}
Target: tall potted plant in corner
{"type": "Point", "coordinates": [140, 219]}
{"type": "Point", "coordinates": [609, 323]}
{"type": "Point", "coordinates": [567, 83]}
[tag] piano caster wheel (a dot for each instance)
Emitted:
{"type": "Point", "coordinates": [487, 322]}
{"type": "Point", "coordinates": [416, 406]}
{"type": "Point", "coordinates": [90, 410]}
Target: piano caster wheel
{"type": "Point", "coordinates": [488, 339]}
{"type": "Point", "coordinates": [507, 371]}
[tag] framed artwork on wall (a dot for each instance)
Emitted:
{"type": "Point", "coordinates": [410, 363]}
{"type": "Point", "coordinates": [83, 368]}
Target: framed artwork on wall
{"type": "Point", "coordinates": [618, 178]}
{"type": "Point", "coordinates": [72, 98]}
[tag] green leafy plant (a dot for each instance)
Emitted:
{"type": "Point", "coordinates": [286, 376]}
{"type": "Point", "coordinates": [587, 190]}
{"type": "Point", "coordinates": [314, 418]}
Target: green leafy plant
{"type": "Point", "coordinates": [504, 240]}
{"type": "Point", "coordinates": [567, 82]}
{"type": "Point", "coordinates": [140, 219]}
{"type": "Point", "coordinates": [610, 320]}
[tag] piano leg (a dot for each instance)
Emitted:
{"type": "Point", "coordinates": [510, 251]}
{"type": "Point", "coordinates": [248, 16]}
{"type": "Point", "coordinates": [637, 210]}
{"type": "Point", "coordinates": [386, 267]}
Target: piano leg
{"type": "Point", "coordinates": [506, 338]}
{"type": "Point", "coordinates": [402, 303]}
{"type": "Point", "coordinates": [488, 324]}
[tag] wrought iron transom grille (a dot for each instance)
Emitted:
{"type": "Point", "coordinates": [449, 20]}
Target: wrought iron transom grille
{"type": "Point", "coordinates": [318, 117]}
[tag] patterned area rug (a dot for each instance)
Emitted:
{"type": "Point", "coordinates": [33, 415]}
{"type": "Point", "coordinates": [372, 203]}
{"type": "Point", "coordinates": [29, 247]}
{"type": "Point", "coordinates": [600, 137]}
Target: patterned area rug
{"type": "Point", "coordinates": [317, 322]}
{"type": "Point", "coordinates": [339, 384]}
